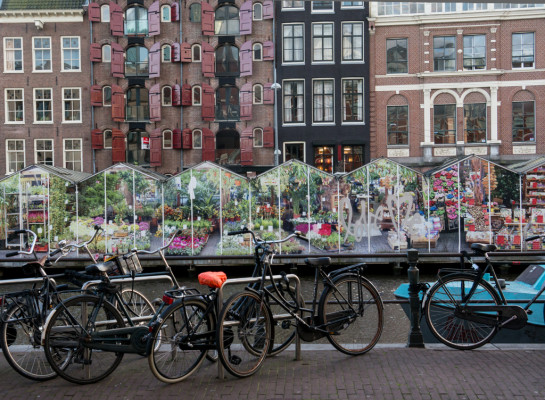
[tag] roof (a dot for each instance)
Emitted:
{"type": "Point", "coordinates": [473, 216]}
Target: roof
{"type": "Point", "coordinates": [455, 160]}
{"type": "Point", "coordinates": [66, 174]}
{"type": "Point", "coordinates": [525, 166]}
{"type": "Point", "coordinates": [145, 171]}
{"type": "Point", "coordinates": [7, 5]}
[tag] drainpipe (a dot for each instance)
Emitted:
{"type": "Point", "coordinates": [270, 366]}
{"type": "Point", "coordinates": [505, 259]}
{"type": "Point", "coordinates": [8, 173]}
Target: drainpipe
{"type": "Point", "coordinates": [92, 107]}
{"type": "Point", "coordinates": [181, 83]}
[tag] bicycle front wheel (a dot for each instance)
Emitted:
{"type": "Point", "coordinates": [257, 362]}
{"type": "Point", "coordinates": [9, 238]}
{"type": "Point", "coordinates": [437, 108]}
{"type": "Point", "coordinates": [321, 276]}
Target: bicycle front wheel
{"type": "Point", "coordinates": [444, 311]}
{"type": "Point", "coordinates": [184, 327]}
{"type": "Point", "coordinates": [70, 328]}
{"type": "Point", "coordinates": [352, 309]}
{"type": "Point", "coordinates": [243, 334]}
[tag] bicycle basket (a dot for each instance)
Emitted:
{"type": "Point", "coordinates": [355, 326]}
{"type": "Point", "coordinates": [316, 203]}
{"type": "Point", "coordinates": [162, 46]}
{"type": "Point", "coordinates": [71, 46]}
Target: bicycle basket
{"type": "Point", "coordinates": [128, 263]}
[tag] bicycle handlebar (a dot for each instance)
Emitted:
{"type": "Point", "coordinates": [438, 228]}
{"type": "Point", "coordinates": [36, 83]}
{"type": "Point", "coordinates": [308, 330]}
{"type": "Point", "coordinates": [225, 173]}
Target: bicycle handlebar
{"type": "Point", "coordinates": [31, 250]}
{"type": "Point", "coordinates": [259, 241]}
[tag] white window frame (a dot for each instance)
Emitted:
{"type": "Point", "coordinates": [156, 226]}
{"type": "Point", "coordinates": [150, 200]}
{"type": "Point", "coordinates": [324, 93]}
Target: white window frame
{"type": "Point", "coordinates": [254, 91]}
{"type": "Point", "coordinates": [297, 62]}
{"type": "Point", "coordinates": [64, 141]}
{"type": "Point", "coordinates": [104, 138]}
{"type": "Point", "coordinates": [254, 137]}
{"type": "Point", "coordinates": [253, 51]}
{"type": "Point", "coordinates": [105, 15]}
{"type": "Point", "coordinates": [193, 96]}
{"type": "Point", "coordinates": [163, 53]}
{"type": "Point", "coordinates": [163, 96]}
{"type": "Point", "coordinates": [14, 101]}
{"type": "Point", "coordinates": [65, 121]}
{"type": "Point", "coordinates": [193, 59]}
{"type": "Point", "coordinates": [36, 108]}
{"type": "Point", "coordinates": [333, 108]}
{"type": "Point", "coordinates": [253, 12]}
{"type": "Point", "coordinates": [162, 10]}
{"type": "Point", "coordinates": [36, 151]}
{"type": "Point", "coordinates": [104, 59]}
{"type": "Point", "coordinates": [79, 54]}
{"type": "Point", "coordinates": [332, 61]}
{"type": "Point", "coordinates": [352, 7]}
{"type": "Point", "coordinates": [8, 152]}
{"type": "Point", "coordinates": [362, 43]}
{"type": "Point", "coordinates": [171, 139]}
{"type": "Point", "coordinates": [193, 135]}
{"type": "Point", "coordinates": [343, 103]}
{"type": "Point", "coordinates": [534, 51]}
{"type": "Point", "coordinates": [284, 8]}
{"type": "Point", "coordinates": [34, 49]}
{"type": "Point", "coordinates": [329, 11]}
{"type": "Point", "coordinates": [304, 150]}
{"type": "Point", "coordinates": [293, 123]}
{"type": "Point", "coordinates": [6, 70]}
{"type": "Point", "coordinates": [103, 97]}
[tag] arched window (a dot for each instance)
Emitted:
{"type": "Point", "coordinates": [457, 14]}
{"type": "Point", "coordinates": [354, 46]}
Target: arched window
{"type": "Point", "coordinates": [167, 95]}
{"type": "Point", "coordinates": [196, 53]}
{"type": "Point", "coordinates": [195, 12]}
{"type": "Point", "coordinates": [137, 151]}
{"type": "Point", "coordinates": [137, 104]}
{"type": "Point", "coordinates": [106, 53]}
{"type": "Point", "coordinates": [197, 139]}
{"type": "Point", "coordinates": [107, 136]}
{"type": "Point", "coordinates": [196, 92]}
{"type": "Point", "coordinates": [258, 52]}
{"type": "Point", "coordinates": [258, 94]}
{"type": "Point", "coordinates": [227, 103]}
{"type": "Point", "coordinates": [136, 21]}
{"type": "Point", "coordinates": [136, 61]}
{"type": "Point", "coordinates": [258, 137]}
{"type": "Point", "coordinates": [106, 96]}
{"type": "Point", "coordinates": [227, 62]}
{"type": "Point", "coordinates": [165, 13]}
{"type": "Point", "coordinates": [167, 139]}
{"type": "Point", "coordinates": [166, 52]}
{"type": "Point", "coordinates": [105, 13]}
{"type": "Point", "coordinates": [227, 21]}
{"type": "Point", "coordinates": [258, 12]}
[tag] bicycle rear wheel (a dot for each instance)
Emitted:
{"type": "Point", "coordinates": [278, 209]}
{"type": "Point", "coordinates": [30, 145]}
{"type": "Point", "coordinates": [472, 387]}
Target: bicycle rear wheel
{"type": "Point", "coordinates": [243, 334]}
{"type": "Point", "coordinates": [353, 310]}
{"type": "Point", "coordinates": [443, 311]}
{"type": "Point", "coordinates": [69, 328]}
{"type": "Point", "coordinates": [174, 359]}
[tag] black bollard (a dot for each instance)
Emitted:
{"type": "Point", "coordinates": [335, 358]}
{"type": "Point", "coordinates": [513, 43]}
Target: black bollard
{"type": "Point", "coordinates": [415, 335]}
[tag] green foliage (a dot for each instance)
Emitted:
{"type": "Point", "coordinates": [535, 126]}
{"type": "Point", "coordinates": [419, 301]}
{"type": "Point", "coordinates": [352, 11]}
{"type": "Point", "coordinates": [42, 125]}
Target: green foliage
{"type": "Point", "coordinates": [58, 197]}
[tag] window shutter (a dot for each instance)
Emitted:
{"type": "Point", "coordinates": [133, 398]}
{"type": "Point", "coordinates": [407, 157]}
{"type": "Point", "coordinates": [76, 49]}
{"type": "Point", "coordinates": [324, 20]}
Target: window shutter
{"type": "Point", "coordinates": [117, 65]}
{"type": "Point", "coordinates": [246, 53]}
{"type": "Point", "coordinates": [207, 19]}
{"type": "Point", "coordinates": [185, 51]}
{"type": "Point", "coordinates": [97, 142]}
{"type": "Point", "coordinates": [245, 16]}
{"type": "Point", "coordinates": [268, 94]}
{"type": "Point", "coordinates": [155, 148]}
{"type": "Point", "coordinates": [208, 146]}
{"type": "Point", "coordinates": [118, 146]}
{"type": "Point", "coordinates": [186, 94]}
{"type": "Point", "coordinates": [176, 95]}
{"type": "Point", "coordinates": [174, 12]}
{"type": "Point", "coordinates": [207, 108]}
{"type": "Point", "coordinates": [96, 52]}
{"type": "Point", "coordinates": [155, 103]}
{"type": "Point", "coordinates": [116, 19]}
{"type": "Point", "coordinates": [187, 136]}
{"type": "Point", "coordinates": [155, 60]}
{"type": "Point", "coordinates": [246, 100]}
{"type": "Point", "coordinates": [96, 95]}
{"type": "Point", "coordinates": [246, 147]}
{"type": "Point", "coordinates": [268, 9]}
{"type": "Point", "coordinates": [176, 139]}
{"type": "Point", "coordinates": [94, 12]}
{"type": "Point", "coordinates": [118, 103]}
{"type": "Point", "coordinates": [175, 52]}
{"type": "Point", "coordinates": [207, 63]}
{"type": "Point", "coordinates": [268, 51]}
{"type": "Point", "coordinates": [154, 19]}
{"type": "Point", "coordinates": [268, 137]}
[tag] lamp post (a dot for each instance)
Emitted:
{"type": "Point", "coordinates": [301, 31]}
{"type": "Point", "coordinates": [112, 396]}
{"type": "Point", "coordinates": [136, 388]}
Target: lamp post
{"type": "Point", "coordinates": [275, 86]}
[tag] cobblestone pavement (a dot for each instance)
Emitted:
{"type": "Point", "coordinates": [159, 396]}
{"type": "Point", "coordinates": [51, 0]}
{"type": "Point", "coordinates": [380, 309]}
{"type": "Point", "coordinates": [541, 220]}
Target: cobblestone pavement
{"type": "Point", "coordinates": [387, 372]}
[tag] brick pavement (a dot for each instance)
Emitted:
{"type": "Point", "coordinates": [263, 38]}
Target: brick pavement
{"type": "Point", "coordinates": [387, 372]}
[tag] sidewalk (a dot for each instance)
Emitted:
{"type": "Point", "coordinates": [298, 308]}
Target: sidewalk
{"type": "Point", "coordinates": [387, 372]}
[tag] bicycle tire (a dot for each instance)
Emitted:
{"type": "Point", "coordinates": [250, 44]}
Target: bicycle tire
{"type": "Point", "coordinates": [362, 330]}
{"type": "Point", "coordinates": [446, 326]}
{"type": "Point", "coordinates": [174, 360]}
{"type": "Point", "coordinates": [243, 334]}
{"type": "Point", "coordinates": [64, 339]}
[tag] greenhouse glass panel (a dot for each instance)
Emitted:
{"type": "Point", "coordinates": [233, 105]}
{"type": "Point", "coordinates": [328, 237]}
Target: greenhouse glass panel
{"type": "Point", "coordinates": [92, 211]}
{"type": "Point", "coordinates": [355, 211]}
{"type": "Point", "coordinates": [324, 204]}
{"type": "Point", "coordinates": [235, 214]}
{"type": "Point", "coordinates": [177, 213]}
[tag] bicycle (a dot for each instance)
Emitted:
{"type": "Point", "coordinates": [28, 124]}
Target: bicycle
{"type": "Point", "coordinates": [464, 311]}
{"type": "Point", "coordinates": [349, 312]}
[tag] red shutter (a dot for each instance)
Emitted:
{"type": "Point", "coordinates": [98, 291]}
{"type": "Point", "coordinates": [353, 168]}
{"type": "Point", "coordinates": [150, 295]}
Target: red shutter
{"type": "Point", "coordinates": [207, 108]}
{"type": "Point", "coordinates": [268, 51]}
{"type": "Point", "coordinates": [246, 100]}
{"type": "Point", "coordinates": [155, 148]}
{"type": "Point", "coordinates": [155, 103]}
{"type": "Point", "coordinates": [207, 19]}
{"type": "Point", "coordinates": [94, 12]}
{"type": "Point", "coordinates": [208, 145]}
{"type": "Point", "coordinates": [185, 51]}
{"type": "Point", "coordinates": [187, 136]}
{"type": "Point", "coordinates": [207, 63]}
{"type": "Point", "coordinates": [96, 52]}
{"type": "Point", "coordinates": [118, 146]}
{"type": "Point", "coordinates": [117, 65]}
{"type": "Point", "coordinates": [268, 9]}
{"type": "Point", "coordinates": [118, 103]}
{"type": "Point", "coordinates": [246, 59]}
{"type": "Point", "coordinates": [154, 19]}
{"type": "Point", "coordinates": [186, 95]}
{"type": "Point", "coordinates": [176, 139]}
{"type": "Point", "coordinates": [174, 12]}
{"type": "Point", "coordinates": [268, 94]}
{"type": "Point", "coordinates": [96, 95]}
{"type": "Point", "coordinates": [268, 137]}
{"type": "Point", "coordinates": [97, 141]}
{"type": "Point", "coordinates": [175, 52]}
{"type": "Point", "coordinates": [245, 16]}
{"type": "Point", "coordinates": [176, 95]}
{"type": "Point", "coordinates": [116, 19]}
{"type": "Point", "coordinates": [246, 147]}
{"type": "Point", "coordinates": [155, 60]}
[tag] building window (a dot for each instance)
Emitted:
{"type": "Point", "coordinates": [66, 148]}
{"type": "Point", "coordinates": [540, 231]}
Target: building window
{"type": "Point", "coordinates": [197, 139]}
{"type": "Point", "coordinates": [136, 62]}
{"type": "Point", "coordinates": [15, 106]}
{"type": "Point", "coordinates": [165, 13]}
{"type": "Point", "coordinates": [352, 100]}
{"type": "Point", "coordinates": [351, 4]}
{"type": "Point", "coordinates": [523, 50]}
{"type": "Point", "coordinates": [167, 139]}
{"type": "Point", "coordinates": [137, 104]}
{"type": "Point", "coordinates": [444, 124]}
{"type": "Point", "coordinates": [227, 21]}
{"type": "Point", "coordinates": [195, 12]}
{"type": "Point", "coordinates": [196, 53]}
{"type": "Point", "coordinates": [475, 123]}
{"type": "Point", "coordinates": [166, 52]}
{"type": "Point", "coordinates": [352, 41]}
{"type": "Point", "coordinates": [227, 61]}
{"type": "Point", "coordinates": [400, 8]}
{"type": "Point", "coordinates": [258, 137]}
{"type": "Point", "coordinates": [322, 42]}
{"type": "Point", "coordinates": [105, 13]}
{"type": "Point", "coordinates": [398, 126]}
{"type": "Point", "coordinates": [73, 154]}
{"type": "Point", "coordinates": [41, 47]}
{"type": "Point", "coordinates": [258, 94]}
{"type": "Point", "coordinates": [167, 96]}
{"type": "Point", "coordinates": [107, 139]}
{"type": "Point", "coordinates": [524, 121]}
{"type": "Point", "coordinates": [15, 155]}
{"type": "Point", "coordinates": [294, 151]}
{"type": "Point", "coordinates": [443, 7]}
{"type": "Point", "coordinates": [396, 56]}
{"type": "Point", "coordinates": [322, 6]}
{"type": "Point", "coordinates": [258, 12]}
{"type": "Point", "coordinates": [136, 21]}
{"type": "Point", "coordinates": [322, 100]}
{"type": "Point", "coordinates": [107, 96]}
{"type": "Point", "coordinates": [70, 54]}
{"type": "Point", "coordinates": [43, 151]}
{"type": "Point", "coordinates": [138, 148]}
{"type": "Point", "coordinates": [293, 43]}
{"type": "Point", "coordinates": [227, 103]}
{"type": "Point", "coordinates": [106, 53]}
{"type": "Point", "coordinates": [43, 106]}
{"type": "Point", "coordinates": [474, 52]}
{"type": "Point", "coordinates": [196, 95]}
{"type": "Point", "coordinates": [323, 158]}
{"type": "Point", "coordinates": [13, 55]}
{"type": "Point", "coordinates": [258, 52]}
{"type": "Point", "coordinates": [352, 158]}
{"type": "Point", "coordinates": [71, 105]}
{"type": "Point", "coordinates": [474, 6]}
{"type": "Point", "coordinates": [293, 101]}
{"type": "Point", "coordinates": [293, 5]}
{"type": "Point", "coordinates": [444, 53]}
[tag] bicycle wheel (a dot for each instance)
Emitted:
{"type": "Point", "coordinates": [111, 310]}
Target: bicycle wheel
{"type": "Point", "coordinates": [243, 334]}
{"type": "Point", "coordinates": [353, 310]}
{"type": "Point", "coordinates": [20, 337]}
{"type": "Point", "coordinates": [444, 312]}
{"type": "Point", "coordinates": [70, 326]}
{"type": "Point", "coordinates": [138, 306]}
{"type": "Point", "coordinates": [184, 325]}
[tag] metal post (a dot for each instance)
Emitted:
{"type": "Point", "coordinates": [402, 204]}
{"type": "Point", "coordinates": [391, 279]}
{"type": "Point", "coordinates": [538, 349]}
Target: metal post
{"type": "Point", "coordinates": [415, 335]}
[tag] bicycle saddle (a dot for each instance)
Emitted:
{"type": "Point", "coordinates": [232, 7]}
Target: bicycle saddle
{"type": "Point", "coordinates": [483, 248]}
{"type": "Point", "coordinates": [318, 261]}
{"type": "Point", "coordinates": [95, 269]}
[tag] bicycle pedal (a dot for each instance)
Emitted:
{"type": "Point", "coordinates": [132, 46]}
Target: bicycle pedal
{"type": "Point", "coordinates": [235, 360]}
